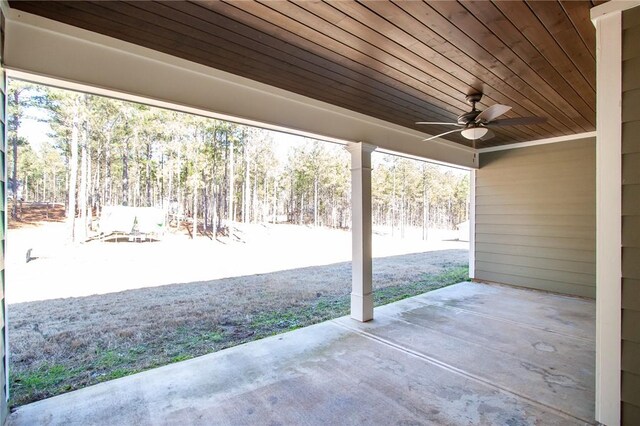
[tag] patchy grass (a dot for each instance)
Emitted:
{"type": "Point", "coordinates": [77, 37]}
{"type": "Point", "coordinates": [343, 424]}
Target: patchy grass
{"type": "Point", "coordinates": [44, 381]}
{"type": "Point", "coordinates": [117, 373]}
{"type": "Point", "coordinates": [66, 344]}
{"type": "Point", "coordinates": [451, 275]}
{"type": "Point", "coordinates": [330, 307]}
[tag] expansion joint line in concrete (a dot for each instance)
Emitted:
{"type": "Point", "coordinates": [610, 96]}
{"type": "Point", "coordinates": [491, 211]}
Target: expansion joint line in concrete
{"type": "Point", "coordinates": [508, 321]}
{"type": "Point", "coordinates": [447, 336]}
{"type": "Point", "coordinates": [456, 370]}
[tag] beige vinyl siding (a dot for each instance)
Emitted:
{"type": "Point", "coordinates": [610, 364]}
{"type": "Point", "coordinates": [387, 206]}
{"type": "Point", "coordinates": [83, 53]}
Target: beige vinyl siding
{"type": "Point", "coordinates": [631, 216]}
{"type": "Point", "coordinates": [535, 217]}
{"type": "Point", "coordinates": [4, 406]}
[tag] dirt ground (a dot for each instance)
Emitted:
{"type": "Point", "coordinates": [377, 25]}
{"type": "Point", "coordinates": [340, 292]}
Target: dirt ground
{"type": "Point", "coordinates": [83, 313]}
{"type": "Point", "coordinates": [35, 214]}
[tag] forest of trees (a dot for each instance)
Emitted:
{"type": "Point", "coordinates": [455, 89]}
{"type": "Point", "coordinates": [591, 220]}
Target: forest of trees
{"type": "Point", "coordinates": [103, 152]}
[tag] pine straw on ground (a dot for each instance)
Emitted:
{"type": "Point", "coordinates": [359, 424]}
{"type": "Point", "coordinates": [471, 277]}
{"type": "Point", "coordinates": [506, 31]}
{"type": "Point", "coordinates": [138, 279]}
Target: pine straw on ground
{"type": "Point", "coordinates": [33, 214]}
{"type": "Point", "coordinates": [65, 344]}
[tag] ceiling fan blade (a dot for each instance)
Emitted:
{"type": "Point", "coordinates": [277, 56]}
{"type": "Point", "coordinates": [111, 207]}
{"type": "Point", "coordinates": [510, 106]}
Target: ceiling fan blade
{"type": "Point", "coordinates": [491, 113]}
{"type": "Point", "coordinates": [442, 134]}
{"type": "Point", "coordinates": [438, 123]}
{"type": "Point", "coordinates": [518, 121]}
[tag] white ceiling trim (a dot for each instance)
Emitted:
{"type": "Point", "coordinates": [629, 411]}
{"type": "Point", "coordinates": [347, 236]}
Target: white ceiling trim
{"type": "Point", "coordinates": [612, 6]}
{"type": "Point", "coordinates": [558, 139]}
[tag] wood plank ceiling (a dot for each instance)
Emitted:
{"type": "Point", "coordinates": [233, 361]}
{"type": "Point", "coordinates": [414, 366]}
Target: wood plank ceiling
{"type": "Point", "coordinates": [402, 62]}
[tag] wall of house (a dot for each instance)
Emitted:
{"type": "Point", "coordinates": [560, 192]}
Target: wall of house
{"type": "Point", "coordinates": [535, 217]}
{"type": "Point", "coordinates": [4, 409]}
{"type": "Point", "coordinates": [631, 216]}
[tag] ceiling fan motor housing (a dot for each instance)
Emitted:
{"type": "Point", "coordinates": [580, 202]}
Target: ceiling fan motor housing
{"type": "Point", "coordinates": [473, 98]}
{"type": "Point", "coordinates": [468, 117]}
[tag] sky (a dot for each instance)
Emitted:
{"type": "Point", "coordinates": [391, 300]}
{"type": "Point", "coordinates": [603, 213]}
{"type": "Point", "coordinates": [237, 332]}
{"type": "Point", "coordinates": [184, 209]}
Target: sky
{"type": "Point", "coordinates": [36, 132]}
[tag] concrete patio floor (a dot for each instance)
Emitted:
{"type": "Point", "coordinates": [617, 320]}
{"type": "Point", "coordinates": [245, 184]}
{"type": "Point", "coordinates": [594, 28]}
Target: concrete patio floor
{"type": "Point", "coordinates": [465, 354]}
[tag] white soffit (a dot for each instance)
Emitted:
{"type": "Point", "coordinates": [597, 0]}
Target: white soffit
{"type": "Point", "coordinates": [50, 52]}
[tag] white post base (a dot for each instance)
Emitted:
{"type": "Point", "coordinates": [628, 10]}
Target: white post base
{"type": "Point", "coordinates": [362, 307]}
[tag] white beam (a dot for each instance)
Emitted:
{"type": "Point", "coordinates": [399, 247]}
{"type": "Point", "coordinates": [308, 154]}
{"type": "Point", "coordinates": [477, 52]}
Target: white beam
{"type": "Point", "coordinates": [361, 231]}
{"type": "Point", "coordinates": [567, 138]}
{"type": "Point", "coordinates": [66, 55]}
{"type": "Point", "coordinates": [608, 217]}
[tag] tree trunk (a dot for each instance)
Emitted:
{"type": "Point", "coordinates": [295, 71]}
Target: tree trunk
{"type": "Point", "coordinates": [254, 201]}
{"type": "Point", "coordinates": [82, 197]}
{"type": "Point", "coordinates": [292, 204]}
{"type": "Point", "coordinates": [265, 201]}
{"type": "Point", "coordinates": [66, 185]}
{"type": "Point", "coordinates": [214, 198]}
{"type": "Point", "coordinates": [161, 178]}
{"type": "Point", "coordinates": [125, 174]}
{"type": "Point", "coordinates": [231, 194]}
{"type": "Point", "coordinates": [393, 201]}
{"type": "Point", "coordinates": [219, 203]}
{"type": "Point", "coordinates": [14, 211]}
{"type": "Point", "coordinates": [205, 201]}
{"type": "Point", "coordinates": [179, 195]}
{"type": "Point", "coordinates": [247, 185]}
{"type": "Point", "coordinates": [425, 206]}
{"type": "Point", "coordinates": [402, 216]}
{"type": "Point", "coordinates": [90, 191]}
{"type": "Point", "coordinates": [214, 209]}
{"type": "Point", "coordinates": [275, 202]}
{"type": "Point", "coordinates": [315, 200]}
{"type": "Point", "coordinates": [195, 207]}
{"type": "Point", "coordinates": [148, 176]}
{"type": "Point", "coordinates": [135, 177]}
{"type": "Point", "coordinates": [54, 188]}
{"type": "Point", "coordinates": [170, 188]}
{"type": "Point", "coordinates": [97, 196]}
{"type": "Point", "coordinates": [302, 209]}
{"type": "Point", "coordinates": [106, 190]}
{"type": "Point", "coordinates": [73, 171]}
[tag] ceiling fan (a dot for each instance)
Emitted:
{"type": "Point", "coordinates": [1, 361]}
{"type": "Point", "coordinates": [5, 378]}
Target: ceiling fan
{"type": "Point", "coordinates": [475, 124]}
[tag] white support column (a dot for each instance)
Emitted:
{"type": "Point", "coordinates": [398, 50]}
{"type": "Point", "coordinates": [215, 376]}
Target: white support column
{"type": "Point", "coordinates": [361, 276]}
{"type": "Point", "coordinates": [472, 224]}
{"type": "Point", "coordinates": [608, 22]}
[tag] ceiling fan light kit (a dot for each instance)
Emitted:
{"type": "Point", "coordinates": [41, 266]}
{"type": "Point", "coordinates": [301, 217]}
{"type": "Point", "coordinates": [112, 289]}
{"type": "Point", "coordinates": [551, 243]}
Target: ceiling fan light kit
{"type": "Point", "coordinates": [475, 124]}
{"type": "Point", "coordinates": [473, 133]}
